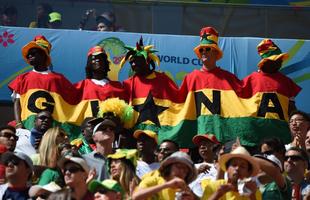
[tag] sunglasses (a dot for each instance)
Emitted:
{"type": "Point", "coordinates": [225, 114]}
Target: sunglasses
{"type": "Point", "coordinates": [204, 49]}
{"type": "Point", "coordinates": [13, 160]}
{"type": "Point", "coordinates": [294, 158]}
{"type": "Point", "coordinates": [73, 169]}
{"type": "Point", "coordinates": [9, 135]}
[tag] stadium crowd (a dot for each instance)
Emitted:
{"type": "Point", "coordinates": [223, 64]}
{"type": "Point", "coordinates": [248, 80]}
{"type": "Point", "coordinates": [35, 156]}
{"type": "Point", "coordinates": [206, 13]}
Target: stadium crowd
{"type": "Point", "coordinates": [108, 161]}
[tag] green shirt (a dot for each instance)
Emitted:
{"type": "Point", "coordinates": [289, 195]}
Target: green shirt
{"type": "Point", "coordinates": [50, 175]}
{"type": "Point", "coordinates": [272, 191]}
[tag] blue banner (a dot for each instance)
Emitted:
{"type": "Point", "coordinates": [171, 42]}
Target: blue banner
{"type": "Point", "coordinates": [70, 47]}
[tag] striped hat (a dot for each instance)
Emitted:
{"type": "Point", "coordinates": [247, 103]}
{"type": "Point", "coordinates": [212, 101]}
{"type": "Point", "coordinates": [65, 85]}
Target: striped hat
{"type": "Point", "coordinates": [209, 38]}
{"type": "Point", "coordinates": [39, 42]}
{"type": "Point", "coordinates": [147, 52]}
{"type": "Point", "coordinates": [268, 50]}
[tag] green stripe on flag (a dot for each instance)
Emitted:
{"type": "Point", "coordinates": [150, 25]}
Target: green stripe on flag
{"type": "Point", "coordinates": [250, 130]}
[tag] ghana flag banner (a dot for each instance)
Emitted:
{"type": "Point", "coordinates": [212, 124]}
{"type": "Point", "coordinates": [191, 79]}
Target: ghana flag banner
{"type": "Point", "coordinates": [69, 57]}
{"type": "Point", "coordinates": [219, 103]}
{"type": "Point", "coordinates": [69, 104]}
{"type": "Point", "coordinates": [154, 99]}
{"type": "Point", "coordinates": [50, 91]}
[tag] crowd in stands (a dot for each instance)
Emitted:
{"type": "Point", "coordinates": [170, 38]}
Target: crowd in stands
{"type": "Point", "coordinates": [106, 161]}
{"type": "Point", "coordinates": [152, 170]}
{"type": "Point", "coordinates": [47, 17]}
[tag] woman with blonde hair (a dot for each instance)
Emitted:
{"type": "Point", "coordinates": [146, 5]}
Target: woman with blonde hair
{"type": "Point", "coordinates": [48, 155]}
{"type": "Point", "coordinates": [122, 169]}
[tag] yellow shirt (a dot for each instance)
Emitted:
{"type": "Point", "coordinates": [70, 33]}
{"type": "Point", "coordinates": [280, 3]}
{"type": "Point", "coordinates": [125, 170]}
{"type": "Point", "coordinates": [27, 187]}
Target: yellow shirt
{"type": "Point", "coordinates": [210, 186]}
{"type": "Point", "coordinates": [153, 179]}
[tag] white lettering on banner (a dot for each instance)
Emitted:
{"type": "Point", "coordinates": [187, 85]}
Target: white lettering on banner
{"type": "Point", "coordinates": [179, 60]}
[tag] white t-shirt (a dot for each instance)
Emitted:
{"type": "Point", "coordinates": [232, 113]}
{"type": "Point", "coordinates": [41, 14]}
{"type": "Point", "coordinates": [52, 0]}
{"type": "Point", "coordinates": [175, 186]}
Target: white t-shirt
{"type": "Point", "coordinates": [196, 184]}
{"type": "Point", "coordinates": [23, 143]}
{"type": "Point", "coordinates": [143, 167]}
{"type": "Point", "coordinates": [3, 188]}
{"type": "Point", "coordinates": [100, 82]}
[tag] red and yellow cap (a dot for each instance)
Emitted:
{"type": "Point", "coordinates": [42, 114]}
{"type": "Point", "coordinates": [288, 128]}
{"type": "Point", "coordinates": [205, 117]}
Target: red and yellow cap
{"type": "Point", "coordinates": [210, 137]}
{"type": "Point", "coordinates": [96, 50]}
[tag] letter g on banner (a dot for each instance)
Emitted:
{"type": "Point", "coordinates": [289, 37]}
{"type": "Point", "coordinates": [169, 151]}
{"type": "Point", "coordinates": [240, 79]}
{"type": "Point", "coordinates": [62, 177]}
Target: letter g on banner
{"type": "Point", "coordinates": [40, 101]}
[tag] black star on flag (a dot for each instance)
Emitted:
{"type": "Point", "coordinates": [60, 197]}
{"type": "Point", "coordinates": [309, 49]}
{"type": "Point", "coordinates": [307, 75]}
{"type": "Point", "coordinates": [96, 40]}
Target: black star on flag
{"type": "Point", "coordinates": [149, 110]}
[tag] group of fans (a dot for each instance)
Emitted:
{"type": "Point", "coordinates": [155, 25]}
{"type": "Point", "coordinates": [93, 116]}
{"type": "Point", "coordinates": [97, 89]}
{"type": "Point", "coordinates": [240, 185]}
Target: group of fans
{"type": "Point", "coordinates": [109, 162]}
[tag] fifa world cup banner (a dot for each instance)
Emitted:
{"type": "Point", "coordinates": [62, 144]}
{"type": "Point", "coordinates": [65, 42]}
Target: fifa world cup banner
{"type": "Point", "coordinates": [219, 110]}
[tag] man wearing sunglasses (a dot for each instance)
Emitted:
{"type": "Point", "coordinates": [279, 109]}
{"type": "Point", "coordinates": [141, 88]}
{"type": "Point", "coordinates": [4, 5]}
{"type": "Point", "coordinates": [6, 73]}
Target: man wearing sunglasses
{"type": "Point", "coordinates": [295, 165]}
{"type": "Point", "coordinates": [8, 137]}
{"type": "Point", "coordinates": [18, 171]}
{"type": "Point", "coordinates": [75, 171]}
{"type": "Point", "coordinates": [210, 78]}
{"type": "Point", "coordinates": [166, 148]}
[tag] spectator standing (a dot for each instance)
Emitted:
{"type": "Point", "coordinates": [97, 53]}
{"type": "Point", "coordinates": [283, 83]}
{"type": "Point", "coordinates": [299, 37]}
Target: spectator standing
{"type": "Point", "coordinates": [268, 72]}
{"type": "Point", "coordinates": [42, 16]}
{"type": "Point", "coordinates": [107, 22]}
{"type": "Point", "coordinates": [97, 80]}
{"type": "Point", "coordinates": [9, 16]}
{"type": "Point", "coordinates": [37, 54]}
{"type": "Point", "coordinates": [55, 21]}
{"type": "Point", "coordinates": [147, 84]}
{"type": "Point", "coordinates": [208, 78]}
